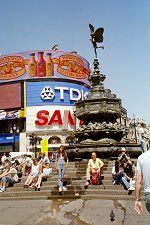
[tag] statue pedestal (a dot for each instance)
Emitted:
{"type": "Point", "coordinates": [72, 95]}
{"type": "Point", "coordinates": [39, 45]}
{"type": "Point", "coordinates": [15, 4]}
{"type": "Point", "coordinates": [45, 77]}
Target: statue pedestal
{"type": "Point", "coordinates": [103, 150]}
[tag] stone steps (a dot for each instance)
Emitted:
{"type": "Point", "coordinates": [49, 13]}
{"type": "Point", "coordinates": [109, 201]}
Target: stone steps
{"type": "Point", "coordinates": [76, 176]}
{"type": "Point", "coordinates": [110, 197]}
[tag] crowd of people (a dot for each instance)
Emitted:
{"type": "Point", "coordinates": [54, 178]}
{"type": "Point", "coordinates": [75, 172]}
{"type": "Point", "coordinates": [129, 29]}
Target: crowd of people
{"type": "Point", "coordinates": [12, 169]}
{"type": "Point", "coordinates": [124, 172]}
{"type": "Point", "coordinates": [35, 169]}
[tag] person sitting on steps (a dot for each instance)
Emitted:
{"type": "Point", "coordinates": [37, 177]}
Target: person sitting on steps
{"type": "Point", "coordinates": [116, 172]}
{"type": "Point", "coordinates": [123, 156]}
{"type": "Point", "coordinates": [46, 172]}
{"type": "Point", "coordinates": [35, 171]}
{"type": "Point", "coordinates": [128, 176]}
{"type": "Point", "coordinates": [9, 176]}
{"type": "Point", "coordinates": [94, 165]}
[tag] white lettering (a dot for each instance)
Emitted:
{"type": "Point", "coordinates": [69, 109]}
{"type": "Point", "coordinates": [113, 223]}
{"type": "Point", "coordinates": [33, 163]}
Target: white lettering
{"type": "Point", "coordinates": [72, 97]}
{"type": "Point", "coordinates": [62, 89]}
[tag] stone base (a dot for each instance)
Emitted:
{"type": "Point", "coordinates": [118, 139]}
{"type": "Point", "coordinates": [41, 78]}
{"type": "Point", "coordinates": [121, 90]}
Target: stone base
{"type": "Point", "coordinates": [102, 150]}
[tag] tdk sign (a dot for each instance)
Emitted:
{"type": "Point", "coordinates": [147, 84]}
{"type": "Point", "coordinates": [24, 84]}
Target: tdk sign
{"type": "Point", "coordinates": [62, 93]}
{"type": "Point", "coordinates": [47, 93]}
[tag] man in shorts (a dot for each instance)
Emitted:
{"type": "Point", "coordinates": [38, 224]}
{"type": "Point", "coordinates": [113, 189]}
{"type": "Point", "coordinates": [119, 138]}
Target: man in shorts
{"type": "Point", "coordinates": [142, 171]}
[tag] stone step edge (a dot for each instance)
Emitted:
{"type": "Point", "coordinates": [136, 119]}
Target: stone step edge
{"type": "Point", "coordinates": [110, 197]}
{"type": "Point", "coordinates": [40, 197]}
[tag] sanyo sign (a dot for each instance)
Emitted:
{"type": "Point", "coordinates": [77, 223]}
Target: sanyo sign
{"type": "Point", "coordinates": [61, 92]}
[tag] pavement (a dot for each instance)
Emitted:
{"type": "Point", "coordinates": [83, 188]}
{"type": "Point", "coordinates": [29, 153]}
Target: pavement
{"type": "Point", "coordinates": [71, 212]}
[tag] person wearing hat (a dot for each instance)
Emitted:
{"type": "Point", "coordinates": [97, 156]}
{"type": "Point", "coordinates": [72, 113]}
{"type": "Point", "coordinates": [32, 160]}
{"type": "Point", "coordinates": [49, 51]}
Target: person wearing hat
{"type": "Point", "coordinates": [123, 156]}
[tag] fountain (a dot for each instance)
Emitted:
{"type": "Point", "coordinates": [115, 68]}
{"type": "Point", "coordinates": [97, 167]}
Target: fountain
{"type": "Point", "coordinates": [101, 110]}
{"type": "Point", "coordinates": [101, 130]}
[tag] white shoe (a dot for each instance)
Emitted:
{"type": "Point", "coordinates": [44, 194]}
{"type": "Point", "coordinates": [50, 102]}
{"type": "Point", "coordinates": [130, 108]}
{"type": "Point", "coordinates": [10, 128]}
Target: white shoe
{"type": "Point", "coordinates": [2, 189]}
{"type": "Point", "coordinates": [60, 189]}
{"type": "Point", "coordinates": [86, 185]}
{"type": "Point", "coordinates": [131, 189]}
{"type": "Point", "coordinates": [64, 189]}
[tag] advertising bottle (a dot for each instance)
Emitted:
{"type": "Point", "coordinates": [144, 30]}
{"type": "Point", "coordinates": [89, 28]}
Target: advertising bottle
{"type": "Point", "coordinates": [49, 65]}
{"type": "Point", "coordinates": [32, 65]}
{"type": "Point", "coordinates": [41, 65]}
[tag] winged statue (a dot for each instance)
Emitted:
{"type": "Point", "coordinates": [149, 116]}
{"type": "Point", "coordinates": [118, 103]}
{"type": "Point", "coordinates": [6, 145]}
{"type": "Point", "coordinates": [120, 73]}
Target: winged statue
{"type": "Point", "coordinates": [96, 37]}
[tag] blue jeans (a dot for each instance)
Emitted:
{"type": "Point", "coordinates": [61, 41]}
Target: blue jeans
{"type": "Point", "coordinates": [61, 172]}
{"type": "Point", "coordinates": [8, 179]}
{"type": "Point", "coordinates": [143, 145]}
{"type": "Point", "coordinates": [147, 201]}
{"type": "Point", "coordinates": [125, 182]}
{"type": "Point", "coordinates": [117, 178]}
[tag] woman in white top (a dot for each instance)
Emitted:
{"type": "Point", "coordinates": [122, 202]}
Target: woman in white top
{"type": "Point", "coordinates": [35, 171]}
{"type": "Point", "coordinates": [47, 171]}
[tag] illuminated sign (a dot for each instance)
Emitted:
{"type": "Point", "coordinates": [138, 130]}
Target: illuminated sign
{"type": "Point", "coordinates": [55, 93]}
{"type": "Point", "coordinates": [74, 94]}
{"type": "Point", "coordinates": [51, 117]}
{"type": "Point", "coordinates": [35, 64]}
{"type": "Point", "coordinates": [55, 118]}
{"type": "Point", "coordinates": [46, 118]}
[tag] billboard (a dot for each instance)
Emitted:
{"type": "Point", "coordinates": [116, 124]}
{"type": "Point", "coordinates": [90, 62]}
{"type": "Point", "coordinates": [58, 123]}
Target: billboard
{"type": "Point", "coordinates": [36, 64]}
{"type": "Point", "coordinates": [10, 96]}
{"type": "Point", "coordinates": [5, 115]}
{"type": "Point", "coordinates": [55, 93]}
{"type": "Point", "coordinates": [50, 117]}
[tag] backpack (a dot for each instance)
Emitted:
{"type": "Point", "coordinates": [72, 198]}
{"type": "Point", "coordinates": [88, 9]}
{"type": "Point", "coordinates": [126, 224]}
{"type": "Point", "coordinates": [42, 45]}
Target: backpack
{"type": "Point", "coordinates": [95, 178]}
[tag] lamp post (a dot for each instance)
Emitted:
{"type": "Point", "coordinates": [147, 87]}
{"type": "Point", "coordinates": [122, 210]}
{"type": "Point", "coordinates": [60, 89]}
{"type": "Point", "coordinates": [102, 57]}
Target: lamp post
{"type": "Point", "coordinates": [13, 131]}
{"type": "Point", "coordinates": [74, 113]}
{"type": "Point", "coordinates": [75, 122]}
{"type": "Point", "coordinates": [33, 142]}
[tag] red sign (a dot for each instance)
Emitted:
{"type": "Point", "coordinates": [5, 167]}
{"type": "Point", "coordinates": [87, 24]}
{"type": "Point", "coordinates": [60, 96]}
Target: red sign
{"type": "Point", "coordinates": [44, 118]}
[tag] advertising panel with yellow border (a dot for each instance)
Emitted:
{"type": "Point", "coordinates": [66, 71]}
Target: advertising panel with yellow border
{"type": "Point", "coordinates": [36, 64]}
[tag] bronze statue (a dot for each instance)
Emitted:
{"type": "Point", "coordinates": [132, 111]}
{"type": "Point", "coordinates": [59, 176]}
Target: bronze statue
{"type": "Point", "coordinates": [96, 36]}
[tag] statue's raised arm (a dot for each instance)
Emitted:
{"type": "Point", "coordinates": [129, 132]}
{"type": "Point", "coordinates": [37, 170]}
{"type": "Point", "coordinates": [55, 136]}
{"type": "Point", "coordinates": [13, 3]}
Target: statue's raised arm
{"type": "Point", "coordinates": [96, 36]}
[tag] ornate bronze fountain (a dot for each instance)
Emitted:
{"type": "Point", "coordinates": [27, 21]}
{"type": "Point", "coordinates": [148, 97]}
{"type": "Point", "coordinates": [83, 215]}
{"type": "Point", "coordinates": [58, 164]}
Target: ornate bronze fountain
{"type": "Point", "coordinates": [100, 112]}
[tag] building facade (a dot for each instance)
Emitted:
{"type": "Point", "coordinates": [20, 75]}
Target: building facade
{"type": "Point", "coordinates": [38, 90]}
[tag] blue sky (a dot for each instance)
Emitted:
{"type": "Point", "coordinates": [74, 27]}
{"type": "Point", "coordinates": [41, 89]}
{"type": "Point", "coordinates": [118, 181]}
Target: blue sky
{"type": "Point", "coordinates": [36, 25]}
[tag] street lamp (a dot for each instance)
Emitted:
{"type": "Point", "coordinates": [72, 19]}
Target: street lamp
{"type": "Point", "coordinates": [33, 141]}
{"type": "Point", "coordinates": [13, 131]}
{"type": "Point", "coordinates": [75, 122]}
{"type": "Point", "coordinates": [74, 113]}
